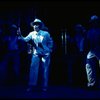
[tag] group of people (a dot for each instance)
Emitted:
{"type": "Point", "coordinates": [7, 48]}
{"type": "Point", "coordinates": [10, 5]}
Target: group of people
{"type": "Point", "coordinates": [41, 48]}
{"type": "Point", "coordinates": [87, 42]}
{"type": "Point", "coordinates": [85, 45]}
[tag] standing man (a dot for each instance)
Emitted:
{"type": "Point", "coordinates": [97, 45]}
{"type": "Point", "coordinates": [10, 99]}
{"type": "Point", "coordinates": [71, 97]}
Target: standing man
{"type": "Point", "coordinates": [42, 47]}
{"type": "Point", "coordinates": [93, 56]}
{"type": "Point", "coordinates": [79, 55]}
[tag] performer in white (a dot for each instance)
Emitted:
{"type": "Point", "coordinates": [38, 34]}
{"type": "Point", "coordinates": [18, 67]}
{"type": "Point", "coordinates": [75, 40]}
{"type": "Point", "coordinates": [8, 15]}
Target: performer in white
{"type": "Point", "coordinates": [42, 48]}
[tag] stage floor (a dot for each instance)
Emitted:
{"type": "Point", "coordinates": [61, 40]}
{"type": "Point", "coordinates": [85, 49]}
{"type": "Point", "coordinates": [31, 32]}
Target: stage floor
{"type": "Point", "coordinates": [53, 92]}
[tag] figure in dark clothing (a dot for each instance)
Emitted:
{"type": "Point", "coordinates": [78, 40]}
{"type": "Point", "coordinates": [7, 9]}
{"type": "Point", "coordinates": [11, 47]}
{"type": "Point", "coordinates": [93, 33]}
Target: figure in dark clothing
{"type": "Point", "coordinates": [93, 56]}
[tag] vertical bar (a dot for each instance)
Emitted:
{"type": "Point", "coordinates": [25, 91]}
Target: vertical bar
{"type": "Point", "coordinates": [65, 43]}
{"type": "Point", "coordinates": [62, 38]}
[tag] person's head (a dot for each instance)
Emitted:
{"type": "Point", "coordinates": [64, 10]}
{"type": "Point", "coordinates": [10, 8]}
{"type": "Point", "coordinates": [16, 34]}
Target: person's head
{"type": "Point", "coordinates": [13, 29]}
{"type": "Point", "coordinates": [94, 20]}
{"type": "Point", "coordinates": [79, 29]}
{"type": "Point", "coordinates": [37, 24]}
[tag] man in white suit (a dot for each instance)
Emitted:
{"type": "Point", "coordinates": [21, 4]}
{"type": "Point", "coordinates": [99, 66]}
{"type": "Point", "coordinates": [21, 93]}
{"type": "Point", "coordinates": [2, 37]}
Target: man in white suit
{"type": "Point", "coordinates": [42, 48]}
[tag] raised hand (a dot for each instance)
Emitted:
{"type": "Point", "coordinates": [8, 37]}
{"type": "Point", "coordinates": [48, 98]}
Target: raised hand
{"type": "Point", "coordinates": [19, 32]}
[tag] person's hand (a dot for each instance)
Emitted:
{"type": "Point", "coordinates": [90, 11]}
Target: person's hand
{"type": "Point", "coordinates": [19, 32]}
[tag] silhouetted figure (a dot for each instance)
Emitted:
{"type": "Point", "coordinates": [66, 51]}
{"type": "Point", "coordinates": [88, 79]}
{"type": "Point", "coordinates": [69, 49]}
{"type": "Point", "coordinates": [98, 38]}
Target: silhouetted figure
{"type": "Point", "coordinates": [12, 58]}
{"type": "Point", "coordinates": [93, 56]}
{"type": "Point", "coordinates": [3, 52]}
{"type": "Point", "coordinates": [79, 55]}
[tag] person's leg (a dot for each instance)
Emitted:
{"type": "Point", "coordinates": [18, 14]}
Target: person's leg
{"type": "Point", "coordinates": [33, 74]}
{"type": "Point", "coordinates": [16, 66]}
{"type": "Point", "coordinates": [91, 70]}
{"type": "Point", "coordinates": [45, 71]}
